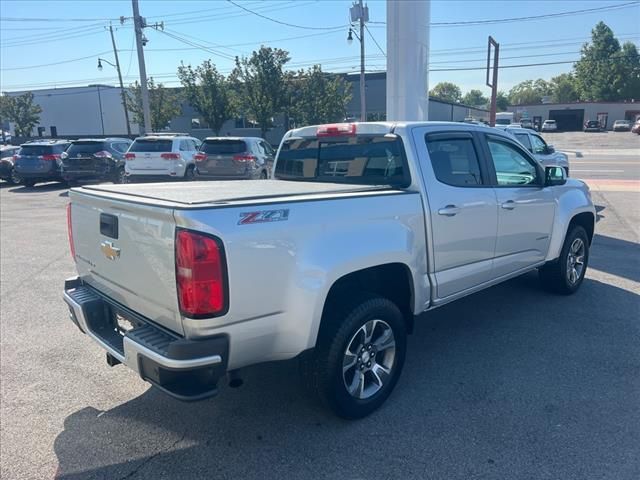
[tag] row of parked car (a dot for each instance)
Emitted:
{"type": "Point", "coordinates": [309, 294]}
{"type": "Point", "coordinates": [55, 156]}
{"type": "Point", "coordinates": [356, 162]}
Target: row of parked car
{"type": "Point", "coordinates": [158, 156]}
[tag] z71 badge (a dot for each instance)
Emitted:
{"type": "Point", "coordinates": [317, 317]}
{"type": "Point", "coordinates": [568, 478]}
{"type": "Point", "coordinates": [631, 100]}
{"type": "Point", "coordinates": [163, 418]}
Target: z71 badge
{"type": "Point", "coordinates": [263, 216]}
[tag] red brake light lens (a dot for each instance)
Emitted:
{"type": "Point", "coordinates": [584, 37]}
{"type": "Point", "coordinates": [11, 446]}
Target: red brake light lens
{"type": "Point", "coordinates": [16, 157]}
{"type": "Point", "coordinates": [50, 158]}
{"type": "Point", "coordinates": [70, 232]}
{"type": "Point", "coordinates": [102, 154]}
{"type": "Point", "coordinates": [336, 130]}
{"type": "Point", "coordinates": [170, 156]}
{"type": "Point", "coordinates": [244, 158]}
{"type": "Point", "coordinates": [200, 275]}
{"type": "Point", "coordinates": [129, 156]}
{"type": "Point", "coordinates": [200, 157]}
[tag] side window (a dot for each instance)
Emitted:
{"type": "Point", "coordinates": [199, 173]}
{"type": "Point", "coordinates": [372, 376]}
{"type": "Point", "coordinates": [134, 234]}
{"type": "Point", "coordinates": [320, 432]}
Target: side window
{"type": "Point", "coordinates": [512, 167]}
{"type": "Point", "coordinates": [118, 147]}
{"type": "Point", "coordinates": [539, 146]}
{"type": "Point", "coordinates": [267, 148]}
{"type": "Point", "coordinates": [523, 138]}
{"type": "Point", "coordinates": [455, 161]}
{"type": "Point", "coordinates": [259, 148]}
{"type": "Point", "coordinates": [184, 145]}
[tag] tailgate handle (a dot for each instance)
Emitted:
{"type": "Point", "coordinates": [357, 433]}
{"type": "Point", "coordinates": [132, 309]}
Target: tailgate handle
{"type": "Point", "coordinates": [109, 225]}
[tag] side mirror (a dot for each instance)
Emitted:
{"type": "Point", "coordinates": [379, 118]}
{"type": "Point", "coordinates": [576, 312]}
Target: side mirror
{"type": "Point", "coordinates": [554, 176]}
{"type": "Point", "coordinates": [550, 149]}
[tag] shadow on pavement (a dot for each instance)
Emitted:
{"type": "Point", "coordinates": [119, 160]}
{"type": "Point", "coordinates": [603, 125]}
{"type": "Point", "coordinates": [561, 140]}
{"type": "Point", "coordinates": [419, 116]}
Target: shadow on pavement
{"type": "Point", "coordinates": [43, 187]}
{"type": "Point", "coordinates": [512, 382]}
{"type": "Point", "coordinates": [615, 256]}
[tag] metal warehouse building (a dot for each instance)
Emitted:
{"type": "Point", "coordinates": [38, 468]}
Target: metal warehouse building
{"type": "Point", "coordinates": [571, 116]}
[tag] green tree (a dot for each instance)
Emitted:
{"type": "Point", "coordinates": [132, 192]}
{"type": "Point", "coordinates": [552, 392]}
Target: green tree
{"type": "Point", "coordinates": [208, 92]}
{"type": "Point", "coordinates": [446, 91]}
{"type": "Point", "coordinates": [322, 97]}
{"type": "Point", "coordinates": [474, 98]}
{"type": "Point", "coordinates": [502, 102]}
{"type": "Point", "coordinates": [21, 111]}
{"type": "Point", "coordinates": [563, 88]}
{"type": "Point", "coordinates": [164, 104]}
{"type": "Point", "coordinates": [630, 66]}
{"type": "Point", "coordinates": [529, 92]}
{"type": "Point", "coordinates": [260, 83]}
{"type": "Point", "coordinates": [600, 72]}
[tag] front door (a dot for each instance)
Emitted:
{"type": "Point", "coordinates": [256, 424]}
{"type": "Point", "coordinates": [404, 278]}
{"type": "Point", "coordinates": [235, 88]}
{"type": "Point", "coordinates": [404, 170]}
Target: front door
{"type": "Point", "coordinates": [526, 209]}
{"type": "Point", "coordinates": [463, 210]}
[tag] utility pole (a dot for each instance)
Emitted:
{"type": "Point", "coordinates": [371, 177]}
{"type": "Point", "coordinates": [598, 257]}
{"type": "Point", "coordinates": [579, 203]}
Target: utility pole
{"type": "Point", "coordinates": [494, 80]}
{"type": "Point", "coordinates": [122, 92]}
{"type": "Point", "coordinates": [139, 24]}
{"type": "Point", "coordinates": [360, 12]}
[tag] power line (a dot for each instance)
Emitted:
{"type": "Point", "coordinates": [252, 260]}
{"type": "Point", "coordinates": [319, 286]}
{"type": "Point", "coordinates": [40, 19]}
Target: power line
{"type": "Point", "coordinates": [94, 56]}
{"type": "Point", "coordinates": [375, 41]}
{"type": "Point", "coordinates": [280, 21]}
{"type": "Point", "coordinates": [64, 19]}
{"type": "Point", "coordinates": [54, 39]}
{"type": "Point", "coordinates": [528, 18]}
{"type": "Point", "coordinates": [191, 12]}
{"type": "Point", "coordinates": [194, 44]}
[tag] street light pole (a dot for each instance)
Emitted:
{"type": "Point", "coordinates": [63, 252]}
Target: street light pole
{"type": "Point", "coordinates": [363, 104]}
{"type": "Point", "coordinates": [138, 23]}
{"type": "Point", "coordinates": [122, 92]}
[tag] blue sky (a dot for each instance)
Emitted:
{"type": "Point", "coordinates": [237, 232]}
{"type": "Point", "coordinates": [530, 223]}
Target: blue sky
{"type": "Point", "coordinates": [74, 30]}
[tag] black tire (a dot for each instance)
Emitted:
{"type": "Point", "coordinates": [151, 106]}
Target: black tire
{"type": "Point", "coordinates": [190, 174]}
{"type": "Point", "coordinates": [14, 178]}
{"type": "Point", "coordinates": [29, 183]}
{"type": "Point", "coordinates": [322, 369]}
{"type": "Point", "coordinates": [263, 175]}
{"type": "Point", "coordinates": [556, 276]}
{"type": "Point", "coordinates": [121, 176]}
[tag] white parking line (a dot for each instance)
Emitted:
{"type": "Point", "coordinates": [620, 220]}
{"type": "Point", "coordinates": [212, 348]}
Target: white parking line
{"type": "Point", "coordinates": [599, 171]}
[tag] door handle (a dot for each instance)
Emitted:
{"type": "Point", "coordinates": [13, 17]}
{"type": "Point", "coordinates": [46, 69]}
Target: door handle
{"type": "Point", "coordinates": [509, 205]}
{"type": "Point", "coordinates": [449, 211]}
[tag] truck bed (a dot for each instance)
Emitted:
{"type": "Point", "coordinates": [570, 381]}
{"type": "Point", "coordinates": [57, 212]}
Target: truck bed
{"type": "Point", "coordinates": [201, 194]}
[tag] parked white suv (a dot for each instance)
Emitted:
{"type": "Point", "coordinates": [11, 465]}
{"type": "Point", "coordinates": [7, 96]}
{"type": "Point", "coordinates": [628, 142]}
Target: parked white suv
{"type": "Point", "coordinates": [161, 156]}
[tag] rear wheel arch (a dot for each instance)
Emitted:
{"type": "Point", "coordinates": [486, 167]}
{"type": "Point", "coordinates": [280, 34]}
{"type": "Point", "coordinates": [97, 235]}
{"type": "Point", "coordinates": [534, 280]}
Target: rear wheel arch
{"type": "Point", "coordinates": [392, 281]}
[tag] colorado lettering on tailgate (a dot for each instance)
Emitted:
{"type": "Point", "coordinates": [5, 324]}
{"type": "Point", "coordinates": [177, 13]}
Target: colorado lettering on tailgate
{"type": "Point", "coordinates": [264, 216]}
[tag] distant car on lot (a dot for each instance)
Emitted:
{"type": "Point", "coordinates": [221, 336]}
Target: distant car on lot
{"type": "Point", "coordinates": [7, 172]}
{"type": "Point", "coordinates": [549, 126]}
{"type": "Point", "coordinates": [161, 156]}
{"type": "Point", "coordinates": [247, 158]}
{"type": "Point", "coordinates": [533, 142]}
{"type": "Point", "coordinates": [95, 159]}
{"type": "Point", "coordinates": [5, 137]}
{"type": "Point", "coordinates": [39, 161]}
{"type": "Point", "coordinates": [621, 126]}
{"type": "Point", "coordinates": [592, 126]}
{"type": "Point", "coordinates": [526, 123]}
{"type": "Point", "coordinates": [636, 127]}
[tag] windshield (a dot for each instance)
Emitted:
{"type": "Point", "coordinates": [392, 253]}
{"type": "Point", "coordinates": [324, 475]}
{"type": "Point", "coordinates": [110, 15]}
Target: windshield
{"type": "Point", "coordinates": [220, 147]}
{"type": "Point", "coordinates": [85, 147]}
{"type": "Point", "coordinates": [151, 145]}
{"type": "Point", "coordinates": [368, 160]}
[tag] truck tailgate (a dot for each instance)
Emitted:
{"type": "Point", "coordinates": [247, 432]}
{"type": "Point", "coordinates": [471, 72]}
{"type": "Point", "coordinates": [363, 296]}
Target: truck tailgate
{"type": "Point", "coordinates": [126, 251]}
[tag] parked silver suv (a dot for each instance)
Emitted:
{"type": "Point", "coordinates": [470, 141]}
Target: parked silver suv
{"type": "Point", "coordinates": [246, 158]}
{"type": "Point", "coordinates": [544, 153]}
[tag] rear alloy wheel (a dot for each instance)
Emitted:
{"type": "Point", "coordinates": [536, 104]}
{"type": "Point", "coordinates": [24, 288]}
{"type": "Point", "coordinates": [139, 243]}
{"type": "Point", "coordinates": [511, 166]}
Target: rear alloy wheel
{"type": "Point", "coordinates": [121, 176]}
{"type": "Point", "coordinates": [15, 177]}
{"type": "Point", "coordinates": [358, 357]}
{"type": "Point", "coordinates": [190, 174]}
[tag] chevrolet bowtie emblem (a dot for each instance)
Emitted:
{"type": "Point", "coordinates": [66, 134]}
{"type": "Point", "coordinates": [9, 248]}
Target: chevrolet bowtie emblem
{"type": "Point", "coordinates": [109, 250]}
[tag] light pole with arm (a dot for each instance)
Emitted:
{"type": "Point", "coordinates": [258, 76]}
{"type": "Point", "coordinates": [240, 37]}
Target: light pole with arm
{"type": "Point", "coordinates": [122, 91]}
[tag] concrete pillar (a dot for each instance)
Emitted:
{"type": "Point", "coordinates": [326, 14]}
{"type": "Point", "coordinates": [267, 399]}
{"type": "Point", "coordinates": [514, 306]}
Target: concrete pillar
{"type": "Point", "coordinates": [408, 59]}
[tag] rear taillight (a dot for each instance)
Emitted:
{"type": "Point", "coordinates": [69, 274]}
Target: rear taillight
{"type": "Point", "coordinates": [70, 232]}
{"type": "Point", "coordinates": [244, 158]}
{"type": "Point", "coordinates": [200, 157]}
{"type": "Point", "coordinates": [16, 157]}
{"type": "Point", "coordinates": [170, 156]}
{"type": "Point", "coordinates": [129, 156]}
{"type": "Point", "coordinates": [50, 158]}
{"type": "Point", "coordinates": [200, 275]}
{"type": "Point", "coordinates": [336, 130]}
{"type": "Point", "coordinates": [102, 154]}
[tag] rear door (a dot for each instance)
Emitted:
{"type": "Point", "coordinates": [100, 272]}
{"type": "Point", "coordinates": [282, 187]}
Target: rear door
{"type": "Point", "coordinates": [223, 157]}
{"type": "Point", "coordinates": [148, 155]}
{"type": "Point", "coordinates": [526, 208]}
{"type": "Point", "coordinates": [463, 209]}
{"type": "Point", "coordinates": [37, 159]}
{"type": "Point", "coordinates": [81, 156]}
{"type": "Point", "coordinates": [126, 251]}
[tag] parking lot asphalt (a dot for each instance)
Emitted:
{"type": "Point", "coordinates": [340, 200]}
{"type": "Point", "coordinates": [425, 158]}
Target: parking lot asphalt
{"type": "Point", "coordinates": [510, 383]}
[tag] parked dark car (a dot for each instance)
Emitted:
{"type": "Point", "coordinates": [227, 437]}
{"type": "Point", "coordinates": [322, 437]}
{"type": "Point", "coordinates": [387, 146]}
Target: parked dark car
{"type": "Point", "coordinates": [95, 159]}
{"type": "Point", "coordinates": [7, 172]}
{"type": "Point", "coordinates": [39, 161]}
{"type": "Point", "coordinates": [592, 126]}
{"type": "Point", "coordinates": [243, 158]}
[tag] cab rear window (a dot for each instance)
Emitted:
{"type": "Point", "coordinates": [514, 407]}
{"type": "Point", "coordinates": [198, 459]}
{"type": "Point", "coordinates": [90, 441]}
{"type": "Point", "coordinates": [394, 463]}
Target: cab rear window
{"type": "Point", "coordinates": [222, 147]}
{"type": "Point", "coordinates": [37, 150]}
{"type": "Point", "coordinates": [85, 147]}
{"type": "Point", "coordinates": [363, 160]}
{"type": "Point", "coordinates": [151, 145]}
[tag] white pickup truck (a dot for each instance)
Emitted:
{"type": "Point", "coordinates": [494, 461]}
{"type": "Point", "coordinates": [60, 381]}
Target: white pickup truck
{"type": "Point", "coordinates": [362, 227]}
